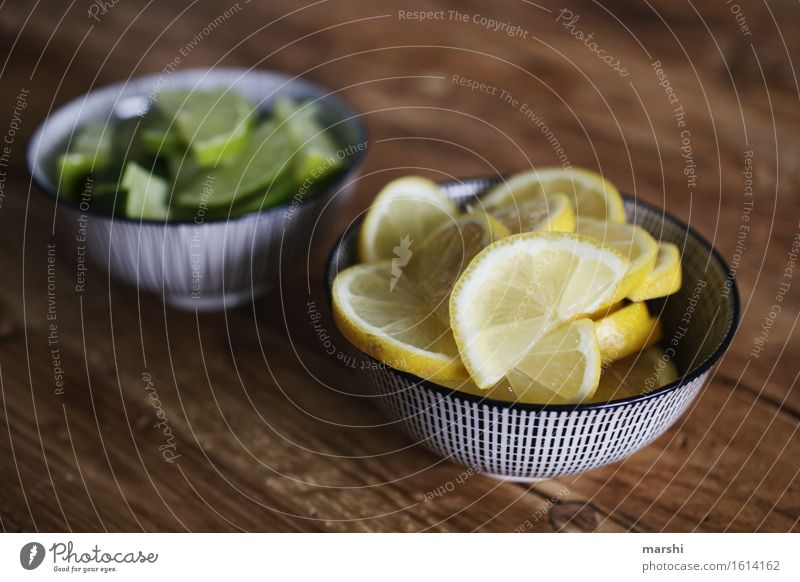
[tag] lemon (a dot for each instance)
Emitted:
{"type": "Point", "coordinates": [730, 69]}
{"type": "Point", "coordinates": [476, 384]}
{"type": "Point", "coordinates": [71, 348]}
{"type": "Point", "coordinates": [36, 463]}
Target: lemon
{"type": "Point", "coordinates": [606, 310]}
{"type": "Point", "coordinates": [590, 194]}
{"type": "Point", "coordinates": [634, 242]}
{"type": "Point", "coordinates": [403, 213]}
{"type": "Point", "coordinates": [445, 253]}
{"type": "Point", "coordinates": [553, 213]}
{"type": "Point", "coordinates": [563, 368]}
{"type": "Point", "coordinates": [392, 323]}
{"type": "Point", "coordinates": [640, 374]}
{"type": "Point", "coordinates": [665, 278]}
{"type": "Point", "coordinates": [627, 331]}
{"type": "Point", "coordinates": [520, 288]}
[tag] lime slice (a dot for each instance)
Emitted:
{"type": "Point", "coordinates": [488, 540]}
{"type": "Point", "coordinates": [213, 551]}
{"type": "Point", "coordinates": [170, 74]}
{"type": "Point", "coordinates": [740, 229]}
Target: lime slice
{"type": "Point", "coordinates": [263, 159]}
{"type": "Point", "coordinates": [315, 152]}
{"type": "Point", "coordinates": [147, 193]}
{"type": "Point", "coordinates": [214, 124]}
{"type": "Point", "coordinates": [89, 151]}
{"type": "Point", "coordinates": [159, 138]}
{"type": "Point", "coordinates": [280, 191]}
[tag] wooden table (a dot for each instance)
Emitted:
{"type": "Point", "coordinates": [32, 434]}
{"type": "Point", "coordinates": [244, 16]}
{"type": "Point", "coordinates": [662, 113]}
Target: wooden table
{"type": "Point", "coordinates": [272, 433]}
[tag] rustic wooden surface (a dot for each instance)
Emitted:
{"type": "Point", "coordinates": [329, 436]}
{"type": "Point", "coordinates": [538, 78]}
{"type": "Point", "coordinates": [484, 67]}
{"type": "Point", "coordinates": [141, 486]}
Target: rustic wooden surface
{"type": "Point", "coordinates": [271, 433]}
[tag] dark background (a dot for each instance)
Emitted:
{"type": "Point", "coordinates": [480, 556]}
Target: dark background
{"type": "Point", "coordinates": [265, 442]}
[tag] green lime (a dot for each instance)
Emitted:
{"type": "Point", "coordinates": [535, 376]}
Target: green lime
{"type": "Point", "coordinates": [262, 160]}
{"type": "Point", "coordinates": [280, 191]}
{"type": "Point", "coordinates": [214, 124]}
{"type": "Point", "coordinates": [89, 151]}
{"type": "Point", "coordinates": [315, 152]}
{"type": "Point", "coordinates": [147, 193]}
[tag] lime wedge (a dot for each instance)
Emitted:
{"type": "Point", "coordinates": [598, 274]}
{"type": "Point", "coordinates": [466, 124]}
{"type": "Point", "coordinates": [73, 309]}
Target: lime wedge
{"type": "Point", "coordinates": [214, 124]}
{"type": "Point", "coordinates": [89, 151]}
{"type": "Point", "coordinates": [263, 159]}
{"type": "Point", "coordinates": [315, 152]}
{"type": "Point", "coordinates": [147, 193]}
{"type": "Point", "coordinates": [280, 191]}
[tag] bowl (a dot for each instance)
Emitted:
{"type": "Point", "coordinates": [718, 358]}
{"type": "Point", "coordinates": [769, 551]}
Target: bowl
{"type": "Point", "coordinates": [529, 442]}
{"type": "Point", "coordinates": [197, 263]}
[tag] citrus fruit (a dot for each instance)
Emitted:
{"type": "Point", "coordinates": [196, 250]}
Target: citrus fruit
{"type": "Point", "coordinates": [638, 374]}
{"type": "Point", "coordinates": [634, 242]}
{"type": "Point", "coordinates": [214, 123]}
{"type": "Point", "coordinates": [445, 253]}
{"type": "Point", "coordinates": [89, 151]}
{"type": "Point", "coordinates": [520, 288]}
{"type": "Point", "coordinates": [552, 213]}
{"type": "Point", "coordinates": [148, 195]}
{"type": "Point", "coordinates": [590, 194]}
{"type": "Point", "coordinates": [562, 368]}
{"type": "Point", "coordinates": [627, 331]}
{"type": "Point", "coordinates": [315, 153]}
{"type": "Point", "coordinates": [255, 169]}
{"type": "Point", "coordinates": [392, 323]}
{"type": "Point", "coordinates": [664, 279]}
{"type": "Point", "coordinates": [405, 212]}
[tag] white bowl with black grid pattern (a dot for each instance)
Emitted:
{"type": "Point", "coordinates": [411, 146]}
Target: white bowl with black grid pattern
{"type": "Point", "coordinates": [196, 263]}
{"type": "Point", "coordinates": [528, 442]}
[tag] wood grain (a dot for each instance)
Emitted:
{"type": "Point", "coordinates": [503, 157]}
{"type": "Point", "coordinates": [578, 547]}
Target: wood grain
{"type": "Point", "coordinates": [275, 435]}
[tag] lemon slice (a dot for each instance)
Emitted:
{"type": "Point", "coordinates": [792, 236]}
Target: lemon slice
{"type": "Point", "coordinates": [563, 368]}
{"type": "Point", "coordinates": [405, 211]}
{"type": "Point", "coordinates": [605, 311]}
{"type": "Point", "coordinates": [665, 278]}
{"type": "Point", "coordinates": [627, 331]}
{"type": "Point", "coordinates": [392, 323]}
{"type": "Point", "coordinates": [590, 194]}
{"type": "Point", "coordinates": [553, 213]}
{"type": "Point", "coordinates": [640, 374]}
{"type": "Point", "coordinates": [445, 253]}
{"type": "Point", "coordinates": [634, 242]}
{"type": "Point", "coordinates": [519, 288]}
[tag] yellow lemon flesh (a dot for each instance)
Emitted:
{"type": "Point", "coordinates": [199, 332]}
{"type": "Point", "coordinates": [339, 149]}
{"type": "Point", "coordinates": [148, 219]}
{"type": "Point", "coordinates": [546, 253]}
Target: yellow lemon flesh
{"type": "Point", "coordinates": [405, 212]}
{"type": "Point", "coordinates": [519, 289]}
{"type": "Point", "coordinates": [590, 194]}
{"type": "Point", "coordinates": [635, 244]}
{"type": "Point", "coordinates": [639, 374]}
{"type": "Point", "coordinates": [665, 278]}
{"type": "Point", "coordinates": [391, 322]}
{"type": "Point", "coordinates": [627, 331]}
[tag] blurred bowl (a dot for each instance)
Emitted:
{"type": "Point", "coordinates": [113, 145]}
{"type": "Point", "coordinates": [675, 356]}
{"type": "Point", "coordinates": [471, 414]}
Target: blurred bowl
{"type": "Point", "coordinates": [196, 264]}
{"type": "Point", "coordinates": [529, 442]}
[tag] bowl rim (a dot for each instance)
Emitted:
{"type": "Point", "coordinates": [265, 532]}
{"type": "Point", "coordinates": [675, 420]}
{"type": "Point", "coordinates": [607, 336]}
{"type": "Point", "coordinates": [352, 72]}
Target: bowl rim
{"type": "Point", "coordinates": [682, 382]}
{"type": "Point", "coordinates": [362, 137]}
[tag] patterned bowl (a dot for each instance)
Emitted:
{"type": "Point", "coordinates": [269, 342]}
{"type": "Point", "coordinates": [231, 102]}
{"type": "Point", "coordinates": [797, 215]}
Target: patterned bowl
{"type": "Point", "coordinates": [526, 442]}
{"type": "Point", "coordinates": [197, 263]}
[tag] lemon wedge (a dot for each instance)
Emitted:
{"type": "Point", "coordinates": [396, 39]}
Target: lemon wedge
{"type": "Point", "coordinates": [405, 212]}
{"type": "Point", "coordinates": [552, 213]}
{"type": "Point", "coordinates": [665, 278]}
{"type": "Point", "coordinates": [563, 368]}
{"type": "Point", "coordinates": [590, 194]}
{"type": "Point", "coordinates": [392, 322]}
{"type": "Point", "coordinates": [445, 253]}
{"type": "Point", "coordinates": [518, 289]}
{"type": "Point", "coordinates": [627, 331]}
{"type": "Point", "coordinates": [639, 374]}
{"type": "Point", "coordinates": [635, 244]}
